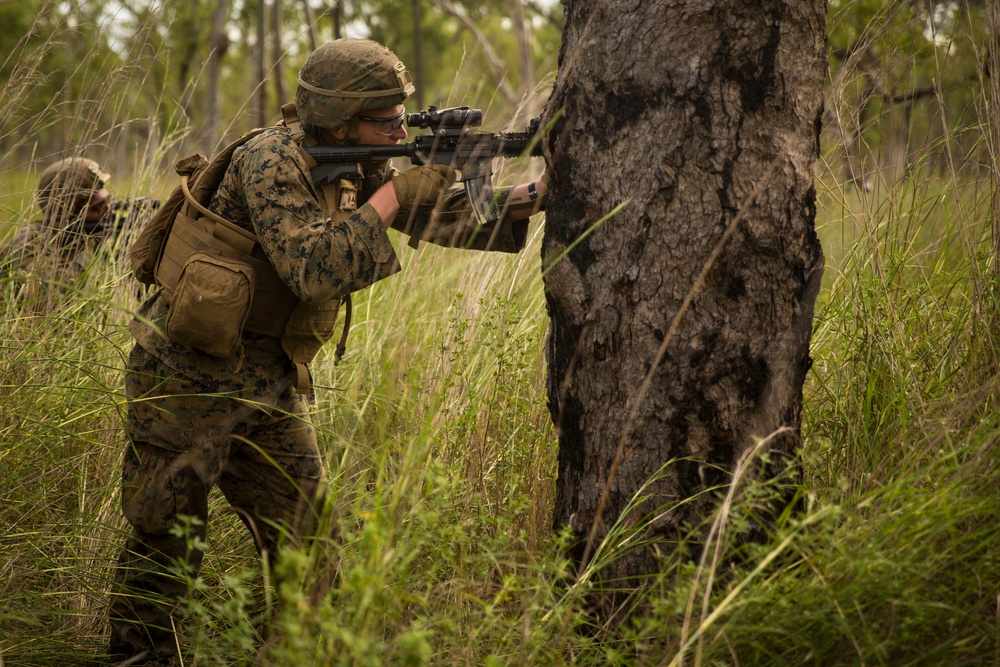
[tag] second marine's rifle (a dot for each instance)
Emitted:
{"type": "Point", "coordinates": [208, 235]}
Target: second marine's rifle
{"type": "Point", "coordinates": [453, 141]}
{"type": "Point", "coordinates": [122, 215]}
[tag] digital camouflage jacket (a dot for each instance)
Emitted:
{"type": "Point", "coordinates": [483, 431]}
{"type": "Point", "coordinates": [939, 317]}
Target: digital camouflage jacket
{"type": "Point", "coordinates": [319, 254]}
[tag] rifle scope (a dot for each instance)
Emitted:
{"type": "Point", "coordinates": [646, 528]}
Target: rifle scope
{"type": "Point", "coordinates": [445, 118]}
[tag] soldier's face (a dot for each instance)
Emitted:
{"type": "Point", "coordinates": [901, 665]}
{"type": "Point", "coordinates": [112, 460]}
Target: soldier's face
{"type": "Point", "coordinates": [98, 206]}
{"type": "Point", "coordinates": [371, 130]}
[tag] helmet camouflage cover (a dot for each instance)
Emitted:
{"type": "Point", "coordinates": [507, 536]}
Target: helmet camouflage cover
{"type": "Point", "coordinates": [347, 76]}
{"type": "Point", "coordinates": [71, 181]}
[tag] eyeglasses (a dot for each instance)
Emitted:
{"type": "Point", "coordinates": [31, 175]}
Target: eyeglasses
{"type": "Point", "coordinates": [385, 126]}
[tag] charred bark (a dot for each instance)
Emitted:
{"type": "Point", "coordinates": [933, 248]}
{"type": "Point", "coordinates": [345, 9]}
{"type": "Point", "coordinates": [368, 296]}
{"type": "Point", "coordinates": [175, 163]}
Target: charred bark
{"type": "Point", "coordinates": [680, 327]}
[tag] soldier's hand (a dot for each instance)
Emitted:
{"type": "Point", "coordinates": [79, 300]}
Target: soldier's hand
{"type": "Point", "coordinates": [421, 187]}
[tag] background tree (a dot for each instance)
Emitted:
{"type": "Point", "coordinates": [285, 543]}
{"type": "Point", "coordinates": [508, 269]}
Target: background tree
{"type": "Point", "coordinates": [456, 37]}
{"type": "Point", "coordinates": [65, 61]}
{"type": "Point", "coordinates": [903, 86]}
{"type": "Point", "coordinates": [45, 88]}
{"type": "Point", "coordinates": [991, 113]}
{"type": "Point", "coordinates": [680, 327]}
{"type": "Point", "coordinates": [260, 65]}
{"type": "Point", "coordinates": [218, 44]}
{"type": "Point", "coordinates": [307, 13]}
{"type": "Point", "coordinates": [277, 52]}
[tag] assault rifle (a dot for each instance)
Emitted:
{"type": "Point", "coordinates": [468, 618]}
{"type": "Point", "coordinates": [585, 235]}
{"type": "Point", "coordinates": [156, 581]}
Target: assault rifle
{"type": "Point", "coordinates": [453, 142]}
{"type": "Point", "coordinates": [123, 214]}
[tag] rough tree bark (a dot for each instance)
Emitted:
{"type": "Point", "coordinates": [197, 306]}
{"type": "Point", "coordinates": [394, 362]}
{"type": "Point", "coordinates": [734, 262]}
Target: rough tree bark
{"type": "Point", "coordinates": [680, 327]}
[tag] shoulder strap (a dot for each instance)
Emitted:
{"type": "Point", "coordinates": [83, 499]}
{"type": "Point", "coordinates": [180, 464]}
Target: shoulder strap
{"type": "Point", "coordinates": [243, 240]}
{"type": "Point", "coordinates": [207, 182]}
{"type": "Point", "coordinates": [290, 116]}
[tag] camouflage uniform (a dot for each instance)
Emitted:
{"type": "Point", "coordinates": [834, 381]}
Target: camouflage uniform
{"type": "Point", "coordinates": [60, 246]}
{"type": "Point", "coordinates": [196, 421]}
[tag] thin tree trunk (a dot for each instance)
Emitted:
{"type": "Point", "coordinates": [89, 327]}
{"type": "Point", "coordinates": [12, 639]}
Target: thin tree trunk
{"type": "Point", "coordinates": [992, 118]}
{"type": "Point", "coordinates": [310, 24]}
{"type": "Point", "coordinates": [261, 64]}
{"type": "Point", "coordinates": [525, 61]}
{"type": "Point", "coordinates": [218, 44]}
{"type": "Point", "coordinates": [855, 170]}
{"type": "Point", "coordinates": [418, 54]}
{"type": "Point", "coordinates": [496, 64]}
{"type": "Point", "coordinates": [277, 53]}
{"type": "Point", "coordinates": [337, 14]}
{"type": "Point", "coordinates": [546, 13]}
{"type": "Point", "coordinates": [680, 327]}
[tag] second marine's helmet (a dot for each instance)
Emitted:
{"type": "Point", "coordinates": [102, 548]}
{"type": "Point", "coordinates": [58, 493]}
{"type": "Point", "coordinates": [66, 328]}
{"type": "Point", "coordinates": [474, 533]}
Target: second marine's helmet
{"type": "Point", "coordinates": [74, 178]}
{"type": "Point", "coordinates": [65, 188]}
{"type": "Point", "coordinates": [347, 76]}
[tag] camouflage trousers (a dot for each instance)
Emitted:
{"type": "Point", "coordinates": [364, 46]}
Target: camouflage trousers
{"type": "Point", "coordinates": [183, 441]}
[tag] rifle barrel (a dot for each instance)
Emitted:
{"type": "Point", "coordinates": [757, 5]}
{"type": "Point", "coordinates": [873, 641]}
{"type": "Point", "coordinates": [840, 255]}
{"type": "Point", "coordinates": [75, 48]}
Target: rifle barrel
{"type": "Point", "coordinates": [511, 144]}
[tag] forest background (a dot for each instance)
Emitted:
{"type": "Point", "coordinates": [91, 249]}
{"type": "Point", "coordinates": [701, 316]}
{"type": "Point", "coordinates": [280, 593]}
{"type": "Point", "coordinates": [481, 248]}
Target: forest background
{"type": "Point", "coordinates": [440, 448]}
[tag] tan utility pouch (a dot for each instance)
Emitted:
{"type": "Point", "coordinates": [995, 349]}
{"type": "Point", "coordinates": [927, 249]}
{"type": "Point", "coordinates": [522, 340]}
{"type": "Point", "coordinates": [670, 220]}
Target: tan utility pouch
{"type": "Point", "coordinates": [308, 328]}
{"type": "Point", "coordinates": [211, 304]}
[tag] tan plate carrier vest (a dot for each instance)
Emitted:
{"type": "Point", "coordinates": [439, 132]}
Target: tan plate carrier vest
{"type": "Point", "coordinates": [275, 309]}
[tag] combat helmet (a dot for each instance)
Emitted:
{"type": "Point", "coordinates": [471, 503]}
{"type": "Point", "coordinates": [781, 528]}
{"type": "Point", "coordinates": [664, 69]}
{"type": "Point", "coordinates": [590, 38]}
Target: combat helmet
{"type": "Point", "coordinates": [347, 76]}
{"type": "Point", "coordinates": [68, 184]}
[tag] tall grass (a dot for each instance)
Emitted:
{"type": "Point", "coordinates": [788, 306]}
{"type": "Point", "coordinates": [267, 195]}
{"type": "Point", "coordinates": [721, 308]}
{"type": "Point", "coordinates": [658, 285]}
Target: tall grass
{"type": "Point", "coordinates": [437, 547]}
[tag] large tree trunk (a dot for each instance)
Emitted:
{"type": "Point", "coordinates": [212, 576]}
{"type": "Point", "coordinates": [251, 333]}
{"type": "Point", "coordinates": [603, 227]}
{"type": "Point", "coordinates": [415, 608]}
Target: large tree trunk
{"type": "Point", "coordinates": [680, 327]}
